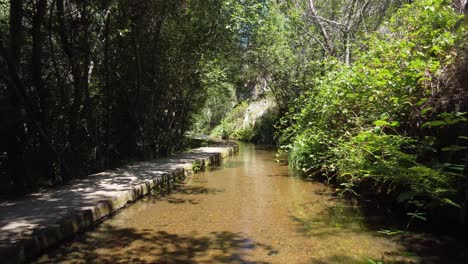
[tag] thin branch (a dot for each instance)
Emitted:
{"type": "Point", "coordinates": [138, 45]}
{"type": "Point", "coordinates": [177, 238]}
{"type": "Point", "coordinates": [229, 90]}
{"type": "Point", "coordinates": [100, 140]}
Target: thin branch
{"type": "Point", "coordinates": [331, 22]}
{"type": "Point", "coordinates": [350, 14]}
{"type": "Point", "coordinates": [324, 32]}
{"type": "Point", "coordinates": [316, 39]}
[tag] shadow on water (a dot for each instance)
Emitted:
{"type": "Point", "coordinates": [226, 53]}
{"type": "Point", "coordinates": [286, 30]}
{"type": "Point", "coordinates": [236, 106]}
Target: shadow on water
{"type": "Point", "coordinates": [306, 220]}
{"type": "Point", "coordinates": [435, 249]}
{"type": "Point", "coordinates": [285, 175]}
{"type": "Point", "coordinates": [180, 188]}
{"type": "Point", "coordinates": [127, 245]}
{"type": "Point", "coordinates": [339, 219]}
{"type": "Point", "coordinates": [339, 259]}
{"type": "Point", "coordinates": [227, 165]}
{"type": "Point", "coordinates": [342, 220]}
{"type": "Point", "coordinates": [196, 190]}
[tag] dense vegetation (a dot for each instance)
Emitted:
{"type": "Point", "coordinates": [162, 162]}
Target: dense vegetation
{"type": "Point", "coordinates": [386, 114]}
{"type": "Point", "coordinates": [372, 96]}
{"type": "Point", "coordinates": [369, 95]}
{"type": "Point", "coordinates": [87, 85]}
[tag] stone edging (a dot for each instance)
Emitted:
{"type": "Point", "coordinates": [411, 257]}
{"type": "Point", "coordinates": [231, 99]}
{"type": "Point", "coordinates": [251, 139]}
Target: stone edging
{"type": "Point", "coordinates": [32, 246]}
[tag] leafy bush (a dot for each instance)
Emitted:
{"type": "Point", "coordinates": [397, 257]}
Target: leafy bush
{"type": "Point", "coordinates": [262, 131]}
{"type": "Point", "coordinates": [310, 153]}
{"type": "Point", "coordinates": [243, 134]}
{"type": "Point", "coordinates": [389, 162]}
{"type": "Point", "coordinates": [232, 120]}
{"type": "Point", "coordinates": [222, 130]}
{"type": "Point", "coordinates": [264, 128]}
{"type": "Point", "coordinates": [362, 123]}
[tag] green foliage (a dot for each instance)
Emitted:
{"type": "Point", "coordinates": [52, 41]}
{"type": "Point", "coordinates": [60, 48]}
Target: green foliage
{"type": "Point", "coordinates": [387, 162]}
{"type": "Point", "coordinates": [357, 123]}
{"type": "Point", "coordinates": [249, 122]}
{"type": "Point", "coordinates": [391, 232]}
{"type": "Point", "coordinates": [447, 119]}
{"type": "Point", "coordinates": [310, 153]}
{"type": "Point", "coordinates": [197, 167]}
{"type": "Point", "coordinates": [221, 131]}
{"type": "Point", "coordinates": [232, 120]}
{"type": "Point", "coordinates": [4, 14]}
{"type": "Point", "coordinates": [264, 129]}
{"type": "Point", "coordinates": [243, 134]}
{"type": "Point", "coordinates": [219, 93]}
{"type": "Point", "coordinates": [116, 81]}
{"type": "Point", "coordinates": [370, 261]}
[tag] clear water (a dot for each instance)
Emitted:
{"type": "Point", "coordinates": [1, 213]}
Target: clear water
{"type": "Point", "coordinates": [248, 210]}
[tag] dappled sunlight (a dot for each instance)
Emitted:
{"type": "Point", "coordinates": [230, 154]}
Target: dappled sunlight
{"type": "Point", "coordinates": [341, 233]}
{"type": "Point", "coordinates": [53, 215]}
{"type": "Point", "coordinates": [253, 213]}
{"type": "Point", "coordinates": [116, 245]}
{"type": "Point", "coordinates": [352, 117]}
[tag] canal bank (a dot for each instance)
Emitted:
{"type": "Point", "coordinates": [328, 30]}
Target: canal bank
{"type": "Point", "coordinates": [42, 220]}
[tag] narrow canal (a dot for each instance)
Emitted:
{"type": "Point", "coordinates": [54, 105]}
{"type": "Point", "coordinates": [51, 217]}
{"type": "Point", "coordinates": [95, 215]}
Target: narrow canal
{"type": "Point", "coordinates": [247, 210]}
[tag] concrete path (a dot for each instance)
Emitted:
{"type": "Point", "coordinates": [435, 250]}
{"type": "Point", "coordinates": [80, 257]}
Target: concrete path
{"type": "Point", "coordinates": [31, 225]}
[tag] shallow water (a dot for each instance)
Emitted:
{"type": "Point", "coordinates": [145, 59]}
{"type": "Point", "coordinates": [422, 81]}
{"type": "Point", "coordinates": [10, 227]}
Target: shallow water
{"type": "Point", "coordinates": [247, 210]}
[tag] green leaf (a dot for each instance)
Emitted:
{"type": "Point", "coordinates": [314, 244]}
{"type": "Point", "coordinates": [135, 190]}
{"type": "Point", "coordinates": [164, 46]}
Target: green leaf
{"type": "Point", "coordinates": [454, 148]}
{"type": "Point", "coordinates": [391, 232]}
{"type": "Point", "coordinates": [395, 124]}
{"type": "Point", "coordinates": [381, 123]}
{"type": "Point", "coordinates": [418, 216]}
{"type": "Point", "coordinates": [435, 123]}
{"type": "Point", "coordinates": [450, 202]}
{"type": "Point", "coordinates": [425, 110]}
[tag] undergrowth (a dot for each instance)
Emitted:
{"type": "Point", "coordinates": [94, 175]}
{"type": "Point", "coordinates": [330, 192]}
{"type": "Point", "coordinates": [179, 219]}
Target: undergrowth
{"type": "Point", "coordinates": [376, 122]}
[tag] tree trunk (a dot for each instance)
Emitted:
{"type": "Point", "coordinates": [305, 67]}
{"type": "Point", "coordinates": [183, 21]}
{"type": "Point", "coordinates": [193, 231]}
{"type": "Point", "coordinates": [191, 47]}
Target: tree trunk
{"type": "Point", "coordinates": [107, 91]}
{"type": "Point", "coordinates": [16, 137]}
{"type": "Point", "coordinates": [16, 32]}
{"type": "Point", "coordinates": [79, 63]}
{"type": "Point", "coordinates": [43, 92]}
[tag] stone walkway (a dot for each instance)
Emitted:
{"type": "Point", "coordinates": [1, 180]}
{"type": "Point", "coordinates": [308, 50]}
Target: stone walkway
{"type": "Point", "coordinates": [42, 220]}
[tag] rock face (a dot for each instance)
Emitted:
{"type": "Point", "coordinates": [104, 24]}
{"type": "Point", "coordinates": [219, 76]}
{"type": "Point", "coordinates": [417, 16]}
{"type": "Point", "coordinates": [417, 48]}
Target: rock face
{"type": "Point", "coordinates": [256, 111]}
{"type": "Point", "coordinates": [252, 89]}
{"type": "Point", "coordinates": [252, 119]}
